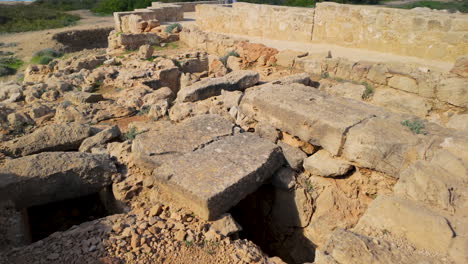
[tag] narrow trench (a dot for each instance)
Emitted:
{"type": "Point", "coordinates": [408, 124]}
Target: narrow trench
{"type": "Point", "coordinates": [255, 214]}
{"type": "Point", "coordinates": [46, 219]}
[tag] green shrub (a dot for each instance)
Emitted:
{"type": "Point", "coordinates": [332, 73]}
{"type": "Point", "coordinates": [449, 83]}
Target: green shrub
{"type": "Point", "coordinates": [171, 27]}
{"type": "Point", "coordinates": [110, 6]}
{"type": "Point", "coordinates": [18, 18]}
{"type": "Point", "coordinates": [131, 134]}
{"type": "Point", "coordinates": [451, 6]}
{"type": "Point", "coordinates": [9, 65]}
{"type": "Point", "coordinates": [45, 56]}
{"type": "Point", "coordinates": [415, 126]}
{"type": "Point", "coordinates": [66, 5]}
{"type": "Point", "coordinates": [224, 58]}
{"type": "Point", "coordinates": [368, 92]}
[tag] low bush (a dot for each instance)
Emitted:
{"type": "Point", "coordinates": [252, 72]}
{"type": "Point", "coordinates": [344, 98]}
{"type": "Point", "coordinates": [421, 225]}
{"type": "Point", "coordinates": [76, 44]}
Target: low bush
{"type": "Point", "coordinates": [415, 126]}
{"type": "Point", "coordinates": [20, 18]}
{"type": "Point", "coordinates": [171, 27]}
{"type": "Point", "coordinates": [45, 56]}
{"type": "Point", "coordinates": [451, 6]}
{"type": "Point", "coordinates": [224, 58]}
{"type": "Point", "coordinates": [9, 65]}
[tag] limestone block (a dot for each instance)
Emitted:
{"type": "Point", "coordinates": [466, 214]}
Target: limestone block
{"type": "Point", "coordinates": [237, 80]}
{"type": "Point", "coordinates": [212, 179]}
{"type": "Point", "coordinates": [55, 137]}
{"type": "Point", "coordinates": [397, 101]}
{"type": "Point", "coordinates": [453, 91]}
{"type": "Point", "coordinates": [323, 164]}
{"type": "Point", "coordinates": [402, 218]}
{"type": "Point", "coordinates": [153, 148]}
{"type": "Point", "coordinates": [382, 144]}
{"type": "Point", "coordinates": [54, 176]}
{"type": "Point", "coordinates": [404, 83]}
{"type": "Point", "coordinates": [286, 58]}
{"type": "Point", "coordinates": [306, 112]}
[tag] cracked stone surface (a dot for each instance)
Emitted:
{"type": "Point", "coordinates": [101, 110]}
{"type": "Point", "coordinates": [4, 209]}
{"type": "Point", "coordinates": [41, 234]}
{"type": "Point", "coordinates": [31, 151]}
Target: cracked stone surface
{"type": "Point", "coordinates": [212, 179]}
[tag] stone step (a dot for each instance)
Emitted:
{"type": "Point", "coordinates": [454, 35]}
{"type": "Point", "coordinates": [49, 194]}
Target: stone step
{"type": "Point", "coordinates": [212, 179]}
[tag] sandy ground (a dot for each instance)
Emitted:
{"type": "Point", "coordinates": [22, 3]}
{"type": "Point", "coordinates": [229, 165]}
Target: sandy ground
{"type": "Point", "coordinates": [30, 42]}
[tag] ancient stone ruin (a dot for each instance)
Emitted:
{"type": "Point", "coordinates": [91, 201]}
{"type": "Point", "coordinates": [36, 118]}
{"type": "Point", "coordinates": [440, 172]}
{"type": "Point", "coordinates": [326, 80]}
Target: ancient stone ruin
{"type": "Point", "coordinates": [251, 134]}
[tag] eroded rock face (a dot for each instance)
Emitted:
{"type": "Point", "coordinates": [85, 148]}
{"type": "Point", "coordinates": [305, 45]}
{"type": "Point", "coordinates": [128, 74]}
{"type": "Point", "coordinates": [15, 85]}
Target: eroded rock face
{"type": "Point", "coordinates": [54, 176]}
{"type": "Point", "coordinates": [323, 164]}
{"type": "Point", "coordinates": [56, 137]}
{"type": "Point", "coordinates": [214, 178]}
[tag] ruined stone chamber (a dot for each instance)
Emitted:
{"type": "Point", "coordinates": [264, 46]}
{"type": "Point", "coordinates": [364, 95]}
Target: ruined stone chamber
{"type": "Point", "coordinates": [190, 142]}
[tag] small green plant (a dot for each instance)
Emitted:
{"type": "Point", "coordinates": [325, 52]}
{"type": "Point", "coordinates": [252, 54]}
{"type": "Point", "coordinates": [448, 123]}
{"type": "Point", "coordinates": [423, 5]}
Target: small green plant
{"type": "Point", "coordinates": [45, 56]}
{"type": "Point", "coordinates": [368, 92]}
{"type": "Point", "coordinates": [171, 27]}
{"type": "Point", "coordinates": [131, 134]}
{"type": "Point", "coordinates": [144, 110]}
{"type": "Point", "coordinates": [224, 58]}
{"type": "Point", "coordinates": [415, 126]}
{"type": "Point", "coordinates": [177, 63]}
{"type": "Point", "coordinates": [188, 243]}
{"type": "Point", "coordinates": [325, 75]}
{"type": "Point", "coordinates": [309, 187]}
{"type": "Point", "coordinates": [118, 33]}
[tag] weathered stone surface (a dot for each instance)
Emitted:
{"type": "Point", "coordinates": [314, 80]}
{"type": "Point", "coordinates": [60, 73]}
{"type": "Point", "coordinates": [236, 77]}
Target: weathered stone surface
{"type": "Point", "coordinates": [306, 112]}
{"type": "Point", "coordinates": [83, 97]}
{"type": "Point", "coordinates": [53, 176]}
{"type": "Point", "coordinates": [56, 137]}
{"type": "Point", "coordinates": [397, 101]}
{"type": "Point", "coordinates": [145, 52]}
{"type": "Point", "coordinates": [294, 156]}
{"type": "Point", "coordinates": [212, 179]}
{"type": "Point", "coordinates": [382, 144]}
{"type": "Point", "coordinates": [153, 148]}
{"type": "Point", "coordinates": [237, 80]}
{"type": "Point", "coordinates": [461, 66]}
{"type": "Point", "coordinates": [346, 89]}
{"type": "Point", "coordinates": [402, 218]}
{"type": "Point", "coordinates": [99, 139]}
{"type": "Point", "coordinates": [348, 247]}
{"type": "Point", "coordinates": [323, 164]}
{"type": "Point", "coordinates": [454, 91]}
{"type": "Point", "coordinates": [404, 83]}
{"type": "Point", "coordinates": [286, 58]}
{"type": "Point", "coordinates": [459, 122]}
{"type": "Point", "coordinates": [226, 225]}
{"type": "Point", "coordinates": [303, 78]}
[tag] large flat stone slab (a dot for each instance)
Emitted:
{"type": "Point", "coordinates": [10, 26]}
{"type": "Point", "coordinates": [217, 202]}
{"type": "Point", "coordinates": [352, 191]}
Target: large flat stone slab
{"type": "Point", "coordinates": [234, 81]}
{"type": "Point", "coordinates": [54, 176]}
{"type": "Point", "coordinates": [56, 137]}
{"type": "Point", "coordinates": [153, 148]}
{"type": "Point", "coordinates": [212, 179]}
{"type": "Point", "coordinates": [307, 113]}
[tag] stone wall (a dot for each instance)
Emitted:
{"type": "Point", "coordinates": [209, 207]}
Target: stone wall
{"type": "Point", "coordinates": [163, 13]}
{"type": "Point", "coordinates": [275, 22]}
{"type": "Point", "coordinates": [76, 40]}
{"type": "Point", "coordinates": [189, 6]}
{"type": "Point", "coordinates": [422, 33]}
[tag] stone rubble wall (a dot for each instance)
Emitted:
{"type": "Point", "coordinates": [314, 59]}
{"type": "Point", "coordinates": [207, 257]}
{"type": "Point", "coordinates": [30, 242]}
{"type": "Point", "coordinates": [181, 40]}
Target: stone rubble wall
{"type": "Point", "coordinates": [162, 13]}
{"type": "Point", "coordinates": [405, 88]}
{"type": "Point", "coordinates": [427, 34]}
